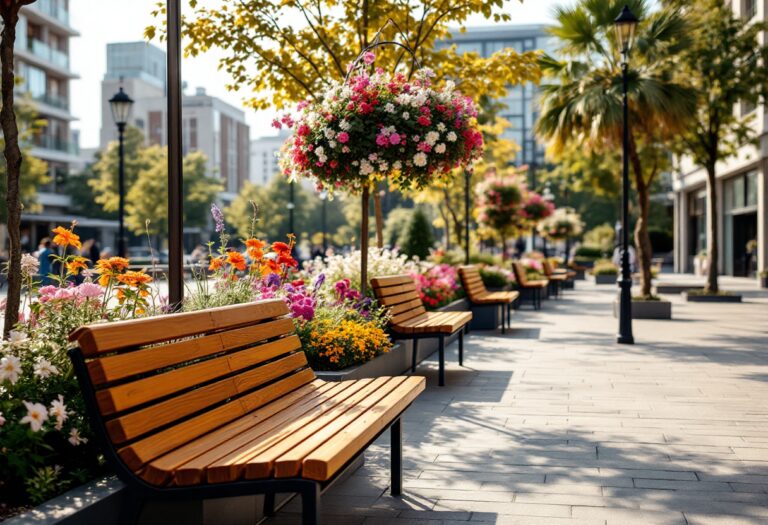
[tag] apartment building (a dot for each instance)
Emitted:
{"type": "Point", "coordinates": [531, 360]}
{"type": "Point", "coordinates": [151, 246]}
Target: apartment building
{"type": "Point", "coordinates": [209, 124]}
{"type": "Point", "coordinates": [742, 189]}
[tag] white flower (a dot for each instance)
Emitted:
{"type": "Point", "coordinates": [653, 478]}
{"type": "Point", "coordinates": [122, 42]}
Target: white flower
{"type": "Point", "coordinates": [366, 168]}
{"type": "Point", "coordinates": [29, 265]}
{"type": "Point", "coordinates": [373, 157]}
{"type": "Point", "coordinates": [2, 419]}
{"type": "Point", "coordinates": [16, 337]}
{"type": "Point", "coordinates": [10, 368]}
{"type": "Point", "coordinates": [332, 144]}
{"type": "Point", "coordinates": [406, 115]}
{"type": "Point", "coordinates": [420, 159]}
{"type": "Point", "coordinates": [383, 167]}
{"type": "Point", "coordinates": [432, 137]}
{"type": "Point", "coordinates": [75, 438]}
{"type": "Point", "coordinates": [389, 107]}
{"type": "Point", "coordinates": [397, 165]}
{"type": "Point", "coordinates": [440, 148]}
{"type": "Point", "coordinates": [451, 136]}
{"type": "Point", "coordinates": [43, 369]}
{"type": "Point", "coordinates": [329, 133]}
{"type": "Point", "coordinates": [440, 126]}
{"type": "Point", "coordinates": [59, 411]}
{"type": "Point", "coordinates": [36, 415]}
{"type": "Point", "coordinates": [320, 151]}
{"type": "Point", "coordinates": [344, 125]}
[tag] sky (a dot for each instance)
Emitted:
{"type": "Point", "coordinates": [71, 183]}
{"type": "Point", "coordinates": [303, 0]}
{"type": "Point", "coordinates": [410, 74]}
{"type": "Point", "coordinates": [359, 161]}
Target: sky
{"type": "Point", "coordinates": [103, 21]}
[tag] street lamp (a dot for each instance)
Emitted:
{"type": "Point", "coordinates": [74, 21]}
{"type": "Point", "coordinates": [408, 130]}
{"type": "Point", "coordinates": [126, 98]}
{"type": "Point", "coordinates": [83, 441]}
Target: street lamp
{"type": "Point", "coordinates": [467, 180]}
{"type": "Point", "coordinates": [625, 23]}
{"type": "Point", "coordinates": [548, 197]}
{"type": "Point", "coordinates": [291, 207]}
{"type": "Point", "coordinates": [121, 104]}
{"type": "Point", "coordinates": [324, 198]}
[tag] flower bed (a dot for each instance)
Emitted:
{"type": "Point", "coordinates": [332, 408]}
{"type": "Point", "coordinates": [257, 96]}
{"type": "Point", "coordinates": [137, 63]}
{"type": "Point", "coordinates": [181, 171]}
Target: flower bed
{"type": "Point", "coordinates": [438, 285]}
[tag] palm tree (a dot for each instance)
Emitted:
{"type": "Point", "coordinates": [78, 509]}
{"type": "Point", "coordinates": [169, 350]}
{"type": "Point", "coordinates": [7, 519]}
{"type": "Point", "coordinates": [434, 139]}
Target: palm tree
{"type": "Point", "coordinates": [584, 103]}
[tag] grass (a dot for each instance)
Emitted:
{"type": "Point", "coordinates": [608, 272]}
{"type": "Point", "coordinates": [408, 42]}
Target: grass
{"type": "Point", "coordinates": [700, 292]}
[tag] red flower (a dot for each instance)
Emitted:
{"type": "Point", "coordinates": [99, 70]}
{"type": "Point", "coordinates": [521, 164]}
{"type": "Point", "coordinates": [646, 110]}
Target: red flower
{"type": "Point", "coordinates": [424, 120]}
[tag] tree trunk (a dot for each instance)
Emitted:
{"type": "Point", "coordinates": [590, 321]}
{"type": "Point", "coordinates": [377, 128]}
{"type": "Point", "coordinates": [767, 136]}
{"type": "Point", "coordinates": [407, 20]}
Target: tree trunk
{"type": "Point", "coordinates": [364, 242]}
{"type": "Point", "coordinates": [643, 240]}
{"type": "Point", "coordinates": [379, 219]}
{"type": "Point", "coordinates": [447, 228]}
{"type": "Point", "coordinates": [713, 250]}
{"type": "Point", "coordinates": [12, 154]}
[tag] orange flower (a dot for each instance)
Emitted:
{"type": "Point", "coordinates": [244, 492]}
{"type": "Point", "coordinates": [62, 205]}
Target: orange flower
{"type": "Point", "coordinates": [254, 247]}
{"type": "Point", "coordinates": [134, 279]}
{"type": "Point", "coordinates": [66, 237]}
{"type": "Point", "coordinates": [270, 266]}
{"type": "Point", "coordinates": [118, 264]}
{"type": "Point", "coordinates": [237, 260]}
{"type": "Point", "coordinates": [216, 264]}
{"type": "Point", "coordinates": [287, 260]}
{"type": "Point", "coordinates": [76, 264]}
{"type": "Point", "coordinates": [281, 248]}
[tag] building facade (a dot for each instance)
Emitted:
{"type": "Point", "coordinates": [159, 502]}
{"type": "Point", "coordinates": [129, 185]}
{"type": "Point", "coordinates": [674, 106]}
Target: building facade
{"type": "Point", "coordinates": [521, 107]}
{"type": "Point", "coordinates": [742, 196]}
{"type": "Point", "coordinates": [43, 66]}
{"type": "Point", "coordinates": [264, 157]}
{"type": "Point", "coordinates": [209, 125]}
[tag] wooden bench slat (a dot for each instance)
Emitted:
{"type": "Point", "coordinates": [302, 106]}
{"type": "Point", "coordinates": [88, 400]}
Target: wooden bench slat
{"type": "Point", "coordinates": [121, 366]}
{"type": "Point", "coordinates": [122, 397]}
{"type": "Point", "coordinates": [289, 463]}
{"type": "Point", "coordinates": [261, 465]}
{"type": "Point", "coordinates": [103, 338]}
{"type": "Point", "coordinates": [406, 316]}
{"type": "Point", "coordinates": [404, 307]}
{"type": "Point", "coordinates": [400, 298]}
{"type": "Point", "coordinates": [383, 282]}
{"type": "Point", "coordinates": [230, 466]}
{"type": "Point", "coordinates": [321, 464]}
{"type": "Point", "coordinates": [162, 469]}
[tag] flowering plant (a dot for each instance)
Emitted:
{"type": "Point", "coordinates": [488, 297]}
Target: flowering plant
{"type": "Point", "coordinates": [496, 277]}
{"type": "Point", "coordinates": [437, 284]}
{"type": "Point", "coordinates": [499, 201]}
{"type": "Point", "coordinates": [535, 208]}
{"type": "Point", "coordinates": [45, 440]}
{"type": "Point", "coordinates": [378, 125]}
{"type": "Point", "coordinates": [534, 268]}
{"type": "Point", "coordinates": [562, 224]}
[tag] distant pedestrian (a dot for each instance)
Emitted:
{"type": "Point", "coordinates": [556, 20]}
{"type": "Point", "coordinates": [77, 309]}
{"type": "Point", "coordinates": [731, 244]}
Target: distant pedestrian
{"type": "Point", "coordinates": [44, 257]}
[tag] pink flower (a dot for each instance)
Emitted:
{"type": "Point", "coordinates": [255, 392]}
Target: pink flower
{"type": "Point", "coordinates": [382, 140]}
{"type": "Point", "coordinates": [89, 290]}
{"type": "Point", "coordinates": [369, 57]}
{"type": "Point", "coordinates": [343, 137]}
{"type": "Point", "coordinates": [276, 124]}
{"type": "Point", "coordinates": [394, 139]}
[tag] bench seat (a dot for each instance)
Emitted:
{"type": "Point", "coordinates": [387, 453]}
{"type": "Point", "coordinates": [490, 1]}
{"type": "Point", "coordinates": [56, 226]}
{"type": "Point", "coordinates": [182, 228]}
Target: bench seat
{"type": "Point", "coordinates": [479, 295]}
{"type": "Point", "coordinates": [442, 322]}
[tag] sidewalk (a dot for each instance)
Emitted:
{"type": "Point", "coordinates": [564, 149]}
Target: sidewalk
{"type": "Point", "coordinates": [557, 424]}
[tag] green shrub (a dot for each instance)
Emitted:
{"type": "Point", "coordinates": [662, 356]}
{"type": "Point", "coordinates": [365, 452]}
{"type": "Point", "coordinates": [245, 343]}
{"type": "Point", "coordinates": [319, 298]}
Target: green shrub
{"type": "Point", "coordinates": [588, 252]}
{"type": "Point", "coordinates": [395, 225]}
{"type": "Point", "coordinates": [417, 238]}
{"type": "Point", "coordinates": [484, 258]}
{"type": "Point", "coordinates": [605, 267]}
{"type": "Point", "coordinates": [602, 237]}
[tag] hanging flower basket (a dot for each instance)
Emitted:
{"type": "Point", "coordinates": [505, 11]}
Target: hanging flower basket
{"type": "Point", "coordinates": [535, 209]}
{"type": "Point", "coordinates": [377, 125]}
{"type": "Point", "coordinates": [563, 224]}
{"type": "Point", "coordinates": [499, 203]}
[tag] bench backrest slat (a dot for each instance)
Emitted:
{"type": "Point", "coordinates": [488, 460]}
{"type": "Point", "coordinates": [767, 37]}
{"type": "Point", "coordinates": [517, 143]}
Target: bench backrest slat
{"type": "Point", "coordinates": [156, 392]}
{"type": "Point", "coordinates": [520, 275]}
{"type": "Point", "coordinates": [398, 293]}
{"type": "Point", "coordinates": [472, 282]}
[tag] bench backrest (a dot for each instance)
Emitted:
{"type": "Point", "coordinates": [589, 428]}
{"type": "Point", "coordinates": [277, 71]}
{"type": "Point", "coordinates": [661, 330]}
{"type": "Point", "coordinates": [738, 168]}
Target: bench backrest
{"type": "Point", "coordinates": [472, 282]}
{"type": "Point", "coordinates": [520, 275]}
{"type": "Point", "coordinates": [158, 383]}
{"type": "Point", "coordinates": [547, 267]}
{"type": "Point", "coordinates": [398, 293]}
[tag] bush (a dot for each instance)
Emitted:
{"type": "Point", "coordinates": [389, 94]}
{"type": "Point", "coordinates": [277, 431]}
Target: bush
{"type": "Point", "coordinates": [661, 241]}
{"type": "Point", "coordinates": [602, 237]}
{"type": "Point", "coordinates": [605, 267]}
{"type": "Point", "coordinates": [484, 258]}
{"type": "Point", "coordinates": [588, 252]}
{"type": "Point", "coordinates": [395, 225]}
{"type": "Point", "coordinates": [438, 285]}
{"type": "Point", "coordinates": [417, 238]}
{"type": "Point", "coordinates": [496, 277]}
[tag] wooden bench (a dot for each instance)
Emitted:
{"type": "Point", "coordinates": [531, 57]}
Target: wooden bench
{"type": "Point", "coordinates": [478, 294]}
{"type": "Point", "coordinates": [410, 320]}
{"type": "Point", "coordinates": [529, 288]}
{"type": "Point", "coordinates": [221, 403]}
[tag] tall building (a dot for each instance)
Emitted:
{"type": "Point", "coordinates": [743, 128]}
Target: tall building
{"type": "Point", "coordinates": [209, 125]}
{"type": "Point", "coordinates": [521, 102]}
{"type": "Point", "coordinates": [42, 64]}
{"type": "Point", "coordinates": [264, 160]}
{"type": "Point", "coordinates": [742, 189]}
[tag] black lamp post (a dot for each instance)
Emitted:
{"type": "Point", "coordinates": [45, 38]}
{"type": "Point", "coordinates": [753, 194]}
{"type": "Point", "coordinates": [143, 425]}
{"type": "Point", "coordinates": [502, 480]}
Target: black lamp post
{"type": "Point", "coordinates": [324, 198]}
{"type": "Point", "coordinates": [291, 207]}
{"type": "Point", "coordinates": [548, 197]}
{"type": "Point", "coordinates": [467, 180]}
{"type": "Point", "coordinates": [625, 23]}
{"type": "Point", "coordinates": [121, 104]}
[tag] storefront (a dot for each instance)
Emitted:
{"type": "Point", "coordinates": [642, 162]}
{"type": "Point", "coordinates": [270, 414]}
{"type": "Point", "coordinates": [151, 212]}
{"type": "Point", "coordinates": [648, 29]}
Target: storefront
{"type": "Point", "coordinates": [740, 224]}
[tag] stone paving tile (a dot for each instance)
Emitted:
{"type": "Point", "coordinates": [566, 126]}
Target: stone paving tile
{"type": "Point", "coordinates": [555, 424]}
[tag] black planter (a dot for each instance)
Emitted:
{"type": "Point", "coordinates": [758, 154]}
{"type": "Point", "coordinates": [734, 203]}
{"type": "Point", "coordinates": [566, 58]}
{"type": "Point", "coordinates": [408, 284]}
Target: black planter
{"type": "Point", "coordinates": [695, 298]}
{"type": "Point", "coordinates": [764, 282]}
{"type": "Point", "coordinates": [647, 309]}
{"type": "Point", "coordinates": [605, 279]}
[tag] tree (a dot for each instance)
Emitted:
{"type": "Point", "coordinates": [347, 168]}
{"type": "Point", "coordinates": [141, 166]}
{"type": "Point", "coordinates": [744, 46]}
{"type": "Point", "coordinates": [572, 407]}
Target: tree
{"type": "Point", "coordinates": [584, 106]}
{"type": "Point", "coordinates": [417, 237]}
{"type": "Point", "coordinates": [239, 214]}
{"type": "Point", "coordinates": [9, 12]}
{"type": "Point", "coordinates": [106, 171]}
{"type": "Point", "coordinates": [726, 67]}
{"type": "Point", "coordinates": [147, 201]}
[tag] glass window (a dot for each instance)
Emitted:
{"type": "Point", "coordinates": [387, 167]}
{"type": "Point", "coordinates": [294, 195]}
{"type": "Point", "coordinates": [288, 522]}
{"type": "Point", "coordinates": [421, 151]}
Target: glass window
{"type": "Point", "coordinates": [737, 200]}
{"type": "Point", "coordinates": [467, 47]}
{"type": "Point", "coordinates": [751, 183]}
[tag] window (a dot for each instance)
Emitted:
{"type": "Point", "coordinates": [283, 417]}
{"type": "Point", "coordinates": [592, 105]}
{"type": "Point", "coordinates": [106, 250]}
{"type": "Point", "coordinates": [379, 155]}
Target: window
{"type": "Point", "coordinates": [746, 107]}
{"type": "Point", "coordinates": [748, 9]}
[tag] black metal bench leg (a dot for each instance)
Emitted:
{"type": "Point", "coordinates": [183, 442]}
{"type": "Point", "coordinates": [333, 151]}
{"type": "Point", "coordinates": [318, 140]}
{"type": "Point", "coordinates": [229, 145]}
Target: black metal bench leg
{"type": "Point", "coordinates": [509, 316]}
{"type": "Point", "coordinates": [441, 368]}
{"type": "Point", "coordinates": [310, 505]}
{"type": "Point", "coordinates": [133, 504]}
{"type": "Point", "coordinates": [396, 438]}
{"type": "Point", "coordinates": [461, 347]}
{"type": "Point", "coordinates": [415, 355]}
{"type": "Point", "coordinates": [503, 320]}
{"type": "Point", "coordinates": [269, 504]}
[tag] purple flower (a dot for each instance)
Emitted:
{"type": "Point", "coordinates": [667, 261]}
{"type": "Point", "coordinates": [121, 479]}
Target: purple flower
{"type": "Point", "coordinates": [218, 218]}
{"type": "Point", "coordinates": [319, 280]}
{"type": "Point", "coordinates": [272, 280]}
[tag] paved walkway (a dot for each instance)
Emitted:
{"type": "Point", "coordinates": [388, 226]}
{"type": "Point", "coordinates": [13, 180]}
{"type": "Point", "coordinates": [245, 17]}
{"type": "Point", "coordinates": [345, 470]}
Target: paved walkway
{"type": "Point", "coordinates": [557, 424]}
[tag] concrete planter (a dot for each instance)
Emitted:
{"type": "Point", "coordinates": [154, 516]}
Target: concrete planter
{"type": "Point", "coordinates": [605, 279]}
{"type": "Point", "coordinates": [580, 273]}
{"type": "Point", "coordinates": [647, 309]}
{"type": "Point", "coordinates": [694, 298]}
{"type": "Point", "coordinates": [485, 317]}
{"type": "Point", "coordinates": [675, 289]}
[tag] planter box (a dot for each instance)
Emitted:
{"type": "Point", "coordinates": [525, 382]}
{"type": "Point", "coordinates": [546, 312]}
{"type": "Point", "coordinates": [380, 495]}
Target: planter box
{"type": "Point", "coordinates": [647, 309]}
{"type": "Point", "coordinates": [605, 279]}
{"type": "Point", "coordinates": [676, 288]}
{"type": "Point", "coordinates": [693, 298]}
{"type": "Point", "coordinates": [763, 282]}
{"type": "Point", "coordinates": [485, 317]}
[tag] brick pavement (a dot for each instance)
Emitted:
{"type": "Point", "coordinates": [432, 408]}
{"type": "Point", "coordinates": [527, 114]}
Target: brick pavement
{"type": "Point", "coordinates": [556, 424]}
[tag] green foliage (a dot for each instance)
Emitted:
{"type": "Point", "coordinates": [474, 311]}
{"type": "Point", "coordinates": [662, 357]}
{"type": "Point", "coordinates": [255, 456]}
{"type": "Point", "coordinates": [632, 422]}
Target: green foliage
{"type": "Point", "coordinates": [417, 237]}
{"type": "Point", "coordinates": [602, 238]}
{"type": "Point", "coordinates": [495, 277]}
{"type": "Point", "coordinates": [395, 224]}
{"type": "Point", "coordinates": [106, 171]}
{"type": "Point", "coordinates": [605, 267]}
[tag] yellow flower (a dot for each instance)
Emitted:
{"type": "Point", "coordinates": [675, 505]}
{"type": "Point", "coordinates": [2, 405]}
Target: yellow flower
{"type": "Point", "coordinates": [66, 237]}
{"type": "Point", "coordinates": [76, 265]}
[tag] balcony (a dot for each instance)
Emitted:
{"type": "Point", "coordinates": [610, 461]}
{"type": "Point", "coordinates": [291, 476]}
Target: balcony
{"type": "Point", "coordinates": [53, 100]}
{"type": "Point", "coordinates": [54, 9]}
{"type": "Point", "coordinates": [56, 144]}
{"type": "Point", "coordinates": [42, 50]}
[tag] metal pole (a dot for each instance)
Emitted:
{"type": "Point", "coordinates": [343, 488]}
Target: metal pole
{"type": "Point", "coordinates": [467, 177]}
{"type": "Point", "coordinates": [291, 206]}
{"type": "Point", "coordinates": [175, 175]}
{"type": "Point", "coordinates": [625, 285]}
{"type": "Point", "coordinates": [121, 190]}
{"type": "Point", "coordinates": [325, 228]}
